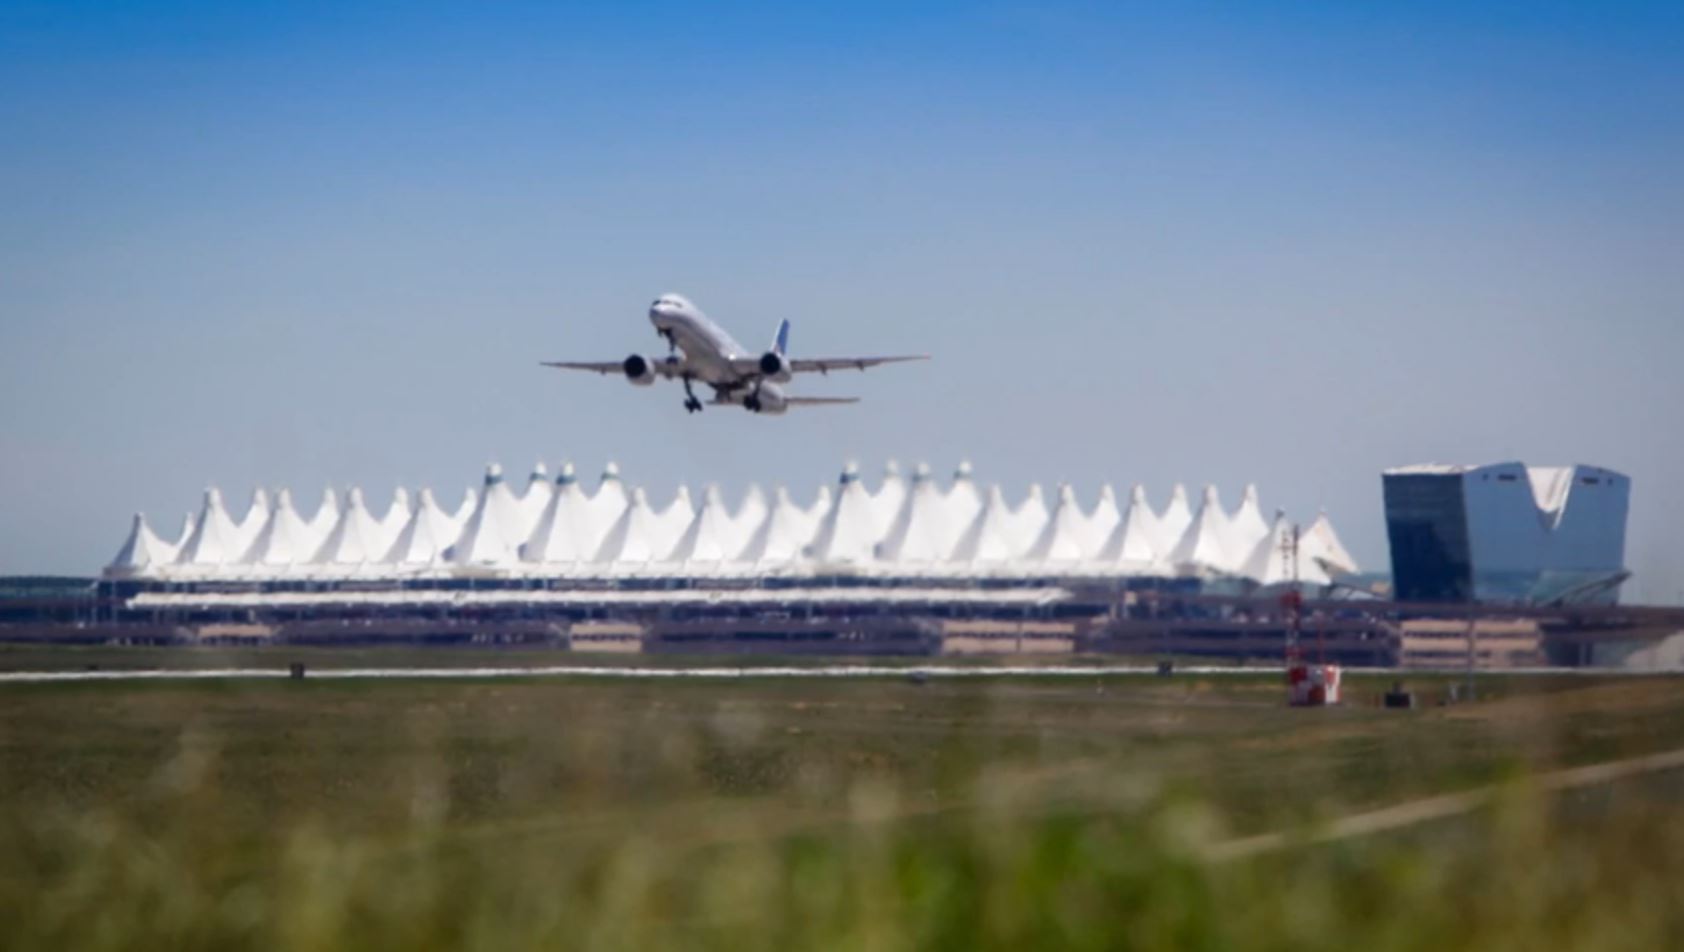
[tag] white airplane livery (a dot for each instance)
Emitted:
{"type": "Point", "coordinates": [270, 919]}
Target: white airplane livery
{"type": "Point", "coordinates": [700, 351]}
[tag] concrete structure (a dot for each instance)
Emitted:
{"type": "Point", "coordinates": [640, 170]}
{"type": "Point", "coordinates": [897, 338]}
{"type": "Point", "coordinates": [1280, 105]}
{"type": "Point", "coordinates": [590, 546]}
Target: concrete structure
{"type": "Point", "coordinates": [1507, 533]}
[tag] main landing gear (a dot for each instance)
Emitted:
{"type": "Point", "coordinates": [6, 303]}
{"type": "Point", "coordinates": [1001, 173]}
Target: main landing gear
{"type": "Point", "coordinates": [691, 404]}
{"type": "Point", "coordinates": [752, 401]}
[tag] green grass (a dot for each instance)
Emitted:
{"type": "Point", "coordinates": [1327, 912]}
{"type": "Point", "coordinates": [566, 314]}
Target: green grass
{"type": "Point", "coordinates": [814, 813]}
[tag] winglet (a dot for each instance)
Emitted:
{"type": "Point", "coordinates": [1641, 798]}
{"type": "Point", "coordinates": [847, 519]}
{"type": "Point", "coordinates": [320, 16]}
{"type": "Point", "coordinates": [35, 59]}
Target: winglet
{"type": "Point", "coordinates": [780, 342]}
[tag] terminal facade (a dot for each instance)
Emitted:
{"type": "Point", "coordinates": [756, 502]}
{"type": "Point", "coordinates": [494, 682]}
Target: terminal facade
{"type": "Point", "coordinates": [1507, 533]}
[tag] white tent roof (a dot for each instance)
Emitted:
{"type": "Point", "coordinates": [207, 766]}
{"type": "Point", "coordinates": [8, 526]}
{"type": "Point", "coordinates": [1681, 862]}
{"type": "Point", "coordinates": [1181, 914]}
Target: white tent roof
{"type": "Point", "coordinates": [638, 535]}
{"type": "Point", "coordinates": [849, 530]}
{"type": "Point", "coordinates": [711, 535]}
{"type": "Point", "coordinates": [1174, 520]}
{"type": "Point", "coordinates": [464, 509]}
{"type": "Point", "coordinates": [786, 529]}
{"type": "Point", "coordinates": [284, 538]}
{"type": "Point", "coordinates": [425, 536]}
{"type": "Point", "coordinates": [493, 531]}
{"type": "Point", "coordinates": [750, 513]}
{"type": "Point", "coordinates": [355, 538]}
{"type": "Point", "coordinates": [1027, 519]}
{"type": "Point", "coordinates": [1270, 562]}
{"type": "Point", "coordinates": [1246, 526]}
{"type": "Point", "coordinates": [535, 497]}
{"type": "Point", "coordinates": [1320, 545]}
{"type": "Point", "coordinates": [142, 550]}
{"type": "Point", "coordinates": [964, 500]}
{"type": "Point", "coordinates": [990, 537]}
{"type": "Point", "coordinates": [673, 520]}
{"type": "Point", "coordinates": [252, 522]}
{"type": "Point", "coordinates": [322, 521]}
{"type": "Point", "coordinates": [1203, 547]}
{"type": "Point", "coordinates": [923, 530]}
{"type": "Point", "coordinates": [1105, 516]}
{"type": "Point", "coordinates": [396, 517]}
{"type": "Point", "coordinates": [890, 496]}
{"type": "Point", "coordinates": [187, 522]}
{"type": "Point", "coordinates": [215, 539]}
{"type": "Point", "coordinates": [570, 529]}
{"type": "Point", "coordinates": [1065, 536]}
{"type": "Point", "coordinates": [1135, 539]}
{"type": "Point", "coordinates": [578, 533]}
{"type": "Point", "coordinates": [610, 499]}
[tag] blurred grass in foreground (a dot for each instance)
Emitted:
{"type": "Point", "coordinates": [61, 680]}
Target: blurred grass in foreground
{"type": "Point", "coordinates": [783, 815]}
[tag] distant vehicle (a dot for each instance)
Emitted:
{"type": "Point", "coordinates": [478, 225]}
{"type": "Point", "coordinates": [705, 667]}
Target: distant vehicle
{"type": "Point", "coordinates": [700, 351]}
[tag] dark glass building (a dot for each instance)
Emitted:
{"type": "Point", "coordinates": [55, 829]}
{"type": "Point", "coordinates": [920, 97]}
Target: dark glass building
{"type": "Point", "coordinates": [1507, 532]}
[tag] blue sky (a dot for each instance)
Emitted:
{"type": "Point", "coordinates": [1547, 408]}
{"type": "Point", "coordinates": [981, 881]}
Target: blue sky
{"type": "Point", "coordinates": [1289, 244]}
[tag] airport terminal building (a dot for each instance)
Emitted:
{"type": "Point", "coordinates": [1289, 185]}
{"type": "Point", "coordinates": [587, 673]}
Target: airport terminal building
{"type": "Point", "coordinates": [559, 533]}
{"type": "Point", "coordinates": [1507, 533]}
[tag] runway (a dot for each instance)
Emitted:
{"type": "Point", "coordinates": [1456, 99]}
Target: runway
{"type": "Point", "coordinates": [756, 672]}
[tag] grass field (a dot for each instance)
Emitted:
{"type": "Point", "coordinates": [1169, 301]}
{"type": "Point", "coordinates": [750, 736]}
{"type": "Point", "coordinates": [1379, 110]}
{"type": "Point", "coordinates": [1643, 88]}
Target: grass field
{"type": "Point", "coordinates": [792, 813]}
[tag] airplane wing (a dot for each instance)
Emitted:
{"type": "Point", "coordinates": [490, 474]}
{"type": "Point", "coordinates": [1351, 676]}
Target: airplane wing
{"type": "Point", "coordinates": [750, 366]}
{"type": "Point", "coordinates": [669, 368]}
{"type": "Point", "coordinates": [819, 401]}
{"type": "Point", "coordinates": [597, 366]}
{"type": "Point", "coordinates": [824, 365]}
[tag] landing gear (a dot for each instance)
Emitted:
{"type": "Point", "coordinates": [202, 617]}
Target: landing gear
{"type": "Point", "coordinates": [671, 339]}
{"type": "Point", "coordinates": [691, 404]}
{"type": "Point", "coordinates": [752, 401]}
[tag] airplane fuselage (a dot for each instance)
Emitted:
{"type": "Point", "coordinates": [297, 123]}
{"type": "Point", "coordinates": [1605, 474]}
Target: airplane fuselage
{"type": "Point", "coordinates": [708, 349]}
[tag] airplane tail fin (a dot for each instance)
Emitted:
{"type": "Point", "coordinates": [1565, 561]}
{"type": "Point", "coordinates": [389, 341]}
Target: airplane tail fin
{"type": "Point", "coordinates": [780, 341]}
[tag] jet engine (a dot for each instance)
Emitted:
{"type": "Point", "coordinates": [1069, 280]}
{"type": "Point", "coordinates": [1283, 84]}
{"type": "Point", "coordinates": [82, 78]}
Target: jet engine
{"type": "Point", "coordinates": [774, 366]}
{"type": "Point", "coordinates": [640, 370]}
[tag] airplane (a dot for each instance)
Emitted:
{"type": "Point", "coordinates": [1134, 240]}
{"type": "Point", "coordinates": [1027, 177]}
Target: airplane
{"type": "Point", "coordinates": [700, 351]}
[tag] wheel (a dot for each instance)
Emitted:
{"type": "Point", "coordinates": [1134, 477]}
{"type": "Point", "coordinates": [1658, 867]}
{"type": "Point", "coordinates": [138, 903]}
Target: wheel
{"type": "Point", "coordinates": [753, 404]}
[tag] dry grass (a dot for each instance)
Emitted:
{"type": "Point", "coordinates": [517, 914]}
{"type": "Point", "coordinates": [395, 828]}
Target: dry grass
{"type": "Point", "coordinates": [780, 814]}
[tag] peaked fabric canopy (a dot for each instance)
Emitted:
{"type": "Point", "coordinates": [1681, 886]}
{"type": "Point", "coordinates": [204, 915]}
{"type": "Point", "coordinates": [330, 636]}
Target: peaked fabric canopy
{"type": "Point", "coordinates": [849, 530]}
{"type": "Point", "coordinates": [320, 524]}
{"type": "Point", "coordinates": [1204, 546]}
{"type": "Point", "coordinates": [1271, 561]}
{"type": "Point", "coordinates": [1174, 520]}
{"type": "Point", "coordinates": [215, 539]}
{"type": "Point", "coordinates": [425, 537]}
{"type": "Point", "coordinates": [786, 529]}
{"type": "Point", "coordinates": [711, 535]}
{"type": "Point", "coordinates": [355, 538]}
{"type": "Point", "coordinates": [1246, 528]}
{"type": "Point", "coordinates": [252, 522]}
{"type": "Point", "coordinates": [1135, 540]}
{"type": "Point", "coordinates": [284, 539]}
{"type": "Point", "coordinates": [953, 529]}
{"type": "Point", "coordinates": [1065, 537]}
{"type": "Point", "coordinates": [1320, 545]}
{"type": "Point", "coordinates": [492, 532]}
{"type": "Point", "coordinates": [924, 529]}
{"type": "Point", "coordinates": [142, 550]}
{"type": "Point", "coordinates": [571, 527]}
{"type": "Point", "coordinates": [990, 537]}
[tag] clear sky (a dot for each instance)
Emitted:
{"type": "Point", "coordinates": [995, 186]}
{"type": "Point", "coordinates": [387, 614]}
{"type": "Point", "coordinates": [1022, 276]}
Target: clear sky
{"type": "Point", "coordinates": [1292, 244]}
